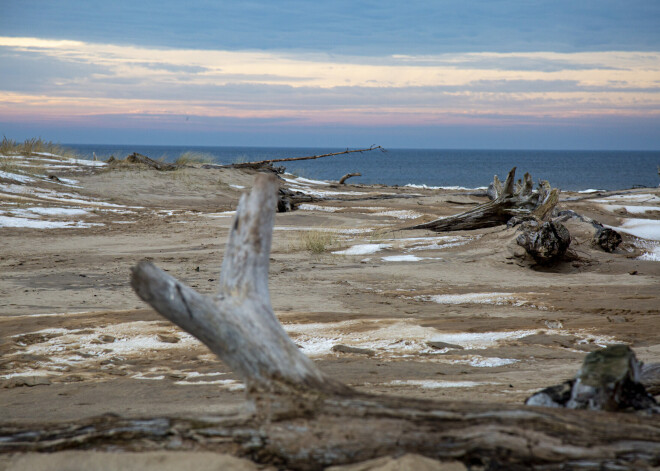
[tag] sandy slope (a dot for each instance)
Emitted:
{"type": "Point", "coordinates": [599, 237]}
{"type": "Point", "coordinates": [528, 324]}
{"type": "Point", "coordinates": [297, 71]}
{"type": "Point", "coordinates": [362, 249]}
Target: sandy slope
{"type": "Point", "coordinates": [75, 341]}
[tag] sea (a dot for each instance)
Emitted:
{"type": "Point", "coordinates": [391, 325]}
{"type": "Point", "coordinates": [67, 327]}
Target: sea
{"type": "Point", "coordinates": [574, 170]}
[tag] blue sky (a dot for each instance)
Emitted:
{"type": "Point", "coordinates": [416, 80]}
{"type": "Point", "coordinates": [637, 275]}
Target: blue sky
{"type": "Point", "coordinates": [461, 74]}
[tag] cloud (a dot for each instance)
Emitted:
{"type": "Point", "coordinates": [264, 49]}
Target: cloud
{"type": "Point", "coordinates": [51, 80]}
{"type": "Point", "coordinates": [357, 27]}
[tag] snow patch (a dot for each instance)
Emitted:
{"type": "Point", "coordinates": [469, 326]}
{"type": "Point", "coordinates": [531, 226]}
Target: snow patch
{"type": "Point", "coordinates": [363, 249]}
{"type": "Point", "coordinates": [428, 384]}
{"type": "Point", "coordinates": [16, 177]}
{"type": "Point", "coordinates": [9, 221]}
{"type": "Point", "coordinates": [471, 298]}
{"type": "Point", "coordinates": [407, 258]}
{"type": "Point", "coordinates": [630, 209]}
{"type": "Point", "coordinates": [316, 207]}
{"type": "Point", "coordinates": [643, 228]}
{"type": "Point", "coordinates": [403, 214]}
{"type": "Point", "coordinates": [427, 187]}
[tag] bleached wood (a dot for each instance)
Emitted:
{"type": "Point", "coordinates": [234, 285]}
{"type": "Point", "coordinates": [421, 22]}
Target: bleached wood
{"type": "Point", "coordinates": [239, 324]}
{"type": "Point", "coordinates": [507, 203]}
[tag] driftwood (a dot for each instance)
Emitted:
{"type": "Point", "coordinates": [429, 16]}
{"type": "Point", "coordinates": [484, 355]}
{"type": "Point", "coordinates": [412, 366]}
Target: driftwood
{"type": "Point", "coordinates": [507, 201]}
{"type": "Point", "coordinates": [610, 379]}
{"type": "Point", "coordinates": [300, 418]}
{"type": "Point", "coordinates": [268, 164]}
{"type": "Point", "coordinates": [546, 242]}
{"type": "Point", "coordinates": [604, 237]}
{"type": "Point", "coordinates": [343, 179]}
{"type": "Point", "coordinates": [140, 159]}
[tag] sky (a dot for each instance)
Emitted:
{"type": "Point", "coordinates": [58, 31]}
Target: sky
{"type": "Point", "coordinates": [511, 74]}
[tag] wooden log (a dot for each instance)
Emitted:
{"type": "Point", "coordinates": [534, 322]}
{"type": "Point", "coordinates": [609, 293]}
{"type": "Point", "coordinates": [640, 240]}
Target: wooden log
{"type": "Point", "coordinates": [343, 179]}
{"type": "Point", "coordinates": [507, 202]}
{"type": "Point", "coordinates": [136, 158]}
{"type": "Point", "coordinates": [302, 419]}
{"type": "Point", "coordinates": [269, 162]}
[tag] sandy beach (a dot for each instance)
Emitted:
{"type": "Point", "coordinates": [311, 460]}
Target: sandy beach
{"type": "Point", "coordinates": [456, 315]}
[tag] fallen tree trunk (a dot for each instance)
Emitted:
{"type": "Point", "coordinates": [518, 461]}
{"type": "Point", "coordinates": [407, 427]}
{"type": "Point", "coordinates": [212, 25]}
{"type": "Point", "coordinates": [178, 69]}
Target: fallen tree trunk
{"type": "Point", "coordinates": [300, 418]}
{"type": "Point", "coordinates": [507, 202]}
{"type": "Point", "coordinates": [269, 162]}
{"type": "Point", "coordinates": [140, 159]}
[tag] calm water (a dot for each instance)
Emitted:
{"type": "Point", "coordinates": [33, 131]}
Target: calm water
{"type": "Point", "coordinates": [569, 170]}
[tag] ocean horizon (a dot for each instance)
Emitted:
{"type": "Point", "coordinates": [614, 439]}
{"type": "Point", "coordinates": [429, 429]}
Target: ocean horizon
{"type": "Point", "coordinates": [573, 170]}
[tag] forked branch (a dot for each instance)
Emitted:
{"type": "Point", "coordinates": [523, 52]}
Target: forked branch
{"type": "Point", "coordinates": [239, 324]}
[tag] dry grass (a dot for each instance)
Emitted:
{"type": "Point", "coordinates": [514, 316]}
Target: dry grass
{"type": "Point", "coordinates": [33, 146]}
{"type": "Point", "coordinates": [189, 158]}
{"type": "Point", "coordinates": [317, 242]}
{"type": "Point", "coordinates": [7, 164]}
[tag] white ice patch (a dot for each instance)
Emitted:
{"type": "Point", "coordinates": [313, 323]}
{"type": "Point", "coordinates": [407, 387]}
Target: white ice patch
{"type": "Point", "coordinates": [426, 187]}
{"type": "Point", "coordinates": [643, 228]}
{"type": "Point", "coordinates": [407, 258]}
{"type": "Point", "coordinates": [9, 221]}
{"type": "Point", "coordinates": [53, 211]}
{"type": "Point", "coordinates": [316, 207]}
{"type": "Point", "coordinates": [630, 209]}
{"type": "Point", "coordinates": [363, 249]}
{"type": "Point", "coordinates": [440, 243]}
{"type": "Point", "coordinates": [651, 248]}
{"type": "Point", "coordinates": [309, 181]}
{"type": "Point", "coordinates": [85, 162]}
{"type": "Point", "coordinates": [324, 229]}
{"type": "Point", "coordinates": [16, 177]}
{"type": "Point", "coordinates": [473, 298]}
{"type": "Point", "coordinates": [487, 362]}
{"type": "Point", "coordinates": [229, 384]}
{"type": "Point", "coordinates": [428, 384]}
{"type": "Point", "coordinates": [49, 195]}
{"type": "Point", "coordinates": [396, 339]}
{"type": "Point", "coordinates": [403, 214]}
{"type": "Point", "coordinates": [80, 347]}
{"type": "Point", "coordinates": [223, 214]}
{"type": "Point", "coordinates": [481, 340]}
{"type": "Point", "coordinates": [591, 190]}
{"type": "Point", "coordinates": [238, 187]}
{"type": "Point", "coordinates": [631, 197]}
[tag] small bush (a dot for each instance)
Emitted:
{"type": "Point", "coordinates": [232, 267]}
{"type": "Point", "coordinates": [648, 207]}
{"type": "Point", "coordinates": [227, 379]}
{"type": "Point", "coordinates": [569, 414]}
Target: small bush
{"type": "Point", "coordinates": [317, 242]}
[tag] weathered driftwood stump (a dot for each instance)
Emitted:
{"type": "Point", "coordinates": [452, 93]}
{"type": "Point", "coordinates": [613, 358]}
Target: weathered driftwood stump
{"type": "Point", "coordinates": [303, 419]}
{"type": "Point", "coordinates": [508, 200]}
{"type": "Point", "coordinates": [606, 238]}
{"type": "Point", "coordinates": [140, 159]}
{"type": "Point", "coordinates": [546, 242]}
{"type": "Point", "coordinates": [343, 179]}
{"type": "Point", "coordinates": [610, 379]}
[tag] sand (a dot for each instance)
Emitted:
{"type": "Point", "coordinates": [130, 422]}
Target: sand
{"type": "Point", "coordinates": [75, 341]}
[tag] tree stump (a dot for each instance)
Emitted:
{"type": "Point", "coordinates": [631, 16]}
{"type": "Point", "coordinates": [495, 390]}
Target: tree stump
{"type": "Point", "coordinates": [546, 243]}
{"type": "Point", "coordinates": [606, 238]}
{"type": "Point", "coordinates": [610, 380]}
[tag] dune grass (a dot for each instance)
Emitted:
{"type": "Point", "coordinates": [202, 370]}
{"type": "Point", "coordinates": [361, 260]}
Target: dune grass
{"type": "Point", "coordinates": [189, 158]}
{"type": "Point", "coordinates": [33, 146]}
{"type": "Point", "coordinates": [317, 242]}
